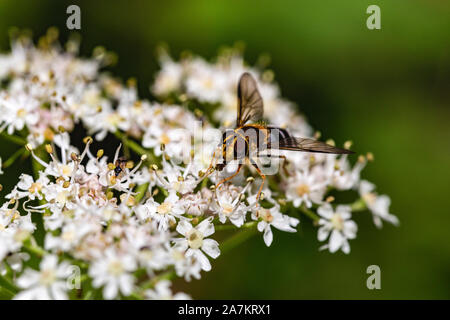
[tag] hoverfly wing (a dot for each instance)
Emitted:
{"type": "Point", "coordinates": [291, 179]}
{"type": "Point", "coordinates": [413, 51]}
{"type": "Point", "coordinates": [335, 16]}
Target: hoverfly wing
{"type": "Point", "coordinates": [309, 145]}
{"type": "Point", "coordinates": [250, 103]}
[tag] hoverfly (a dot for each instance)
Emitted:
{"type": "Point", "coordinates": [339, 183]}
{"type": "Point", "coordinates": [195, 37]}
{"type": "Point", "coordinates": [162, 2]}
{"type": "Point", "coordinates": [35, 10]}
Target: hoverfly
{"type": "Point", "coordinates": [249, 138]}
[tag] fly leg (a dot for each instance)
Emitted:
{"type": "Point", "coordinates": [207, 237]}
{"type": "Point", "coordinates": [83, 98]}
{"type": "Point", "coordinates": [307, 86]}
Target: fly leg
{"type": "Point", "coordinates": [230, 177]}
{"type": "Point", "coordinates": [263, 177]}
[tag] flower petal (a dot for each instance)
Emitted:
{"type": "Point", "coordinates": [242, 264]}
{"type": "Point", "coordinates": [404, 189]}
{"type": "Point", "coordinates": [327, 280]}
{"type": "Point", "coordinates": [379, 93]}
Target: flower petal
{"type": "Point", "coordinates": [211, 248]}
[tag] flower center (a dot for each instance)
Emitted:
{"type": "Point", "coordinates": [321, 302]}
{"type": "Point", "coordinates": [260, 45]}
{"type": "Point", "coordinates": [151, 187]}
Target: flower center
{"type": "Point", "coordinates": [147, 254]}
{"type": "Point", "coordinates": [47, 277]}
{"type": "Point", "coordinates": [265, 215]}
{"type": "Point", "coordinates": [61, 197]}
{"type": "Point", "coordinates": [68, 236]}
{"type": "Point", "coordinates": [66, 170]}
{"type": "Point", "coordinates": [115, 268]}
{"type": "Point", "coordinates": [208, 83]}
{"type": "Point", "coordinates": [302, 190]}
{"type": "Point", "coordinates": [35, 187]}
{"type": "Point", "coordinates": [114, 119]}
{"type": "Point", "coordinates": [164, 139]}
{"type": "Point", "coordinates": [195, 238]}
{"type": "Point", "coordinates": [164, 208]}
{"type": "Point", "coordinates": [227, 209]}
{"type": "Point", "coordinates": [128, 199]}
{"type": "Point", "coordinates": [369, 197]}
{"type": "Point", "coordinates": [21, 113]}
{"type": "Point", "coordinates": [337, 221]}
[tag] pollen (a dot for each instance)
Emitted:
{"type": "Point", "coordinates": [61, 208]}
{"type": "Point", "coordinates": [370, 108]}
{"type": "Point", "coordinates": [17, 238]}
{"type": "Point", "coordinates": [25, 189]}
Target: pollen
{"type": "Point", "coordinates": [128, 199]}
{"type": "Point", "coordinates": [337, 221]}
{"type": "Point", "coordinates": [35, 187]}
{"type": "Point", "coordinates": [115, 268]}
{"type": "Point", "coordinates": [265, 215]}
{"type": "Point", "coordinates": [48, 148]}
{"type": "Point", "coordinates": [21, 113]}
{"type": "Point", "coordinates": [208, 83]}
{"type": "Point", "coordinates": [66, 170]}
{"type": "Point", "coordinates": [195, 238]}
{"type": "Point", "coordinates": [164, 139]}
{"type": "Point", "coordinates": [100, 153]}
{"type": "Point", "coordinates": [369, 197]}
{"type": "Point", "coordinates": [164, 208]}
{"type": "Point", "coordinates": [302, 190]}
{"type": "Point", "coordinates": [47, 277]}
{"type": "Point", "coordinates": [68, 236]}
{"type": "Point", "coordinates": [61, 197]}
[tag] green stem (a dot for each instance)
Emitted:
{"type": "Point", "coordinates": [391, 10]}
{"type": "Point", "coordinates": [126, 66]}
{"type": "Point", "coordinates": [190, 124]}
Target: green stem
{"type": "Point", "coordinates": [40, 252]}
{"type": "Point", "coordinates": [358, 205]}
{"type": "Point", "coordinates": [14, 157]}
{"type": "Point", "coordinates": [239, 237]}
{"type": "Point", "coordinates": [6, 294]}
{"type": "Point", "coordinates": [309, 213]}
{"type": "Point", "coordinates": [225, 227]}
{"type": "Point", "coordinates": [88, 295]}
{"type": "Point", "coordinates": [141, 190]}
{"type": "Point", "coordinates": [14, 139]}
{"type": "Point", "coordinates": [36, 250]}
{"type": "Point", "coordinates": [8, 285]}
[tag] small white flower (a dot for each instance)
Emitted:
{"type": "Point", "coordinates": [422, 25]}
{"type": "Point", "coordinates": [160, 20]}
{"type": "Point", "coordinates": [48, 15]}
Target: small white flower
{"type": "Point", "coordinates": [204, 82]}
{"type": "Point", "coordinates": [187, 267]}
{"type": "Point", "coordinates": [114, 273]}
{"type": "Point", "coordinates": [377, 204]}
{"type": "Point", "coordinates": [15, 261]}
{"type": "Point", "coordinates": [338, 226]}
{"type": "Point", "coordinates": [47, 283]}
{"type": "Point", "coordinates": [195, 242]}
{"type": "Point", "coordinates": [273, 218]}
{"type": "Point", "coordinates": [163, 213]}
{"type": "Point", "coordinates": [197, 203]}
{"type": "Point", "coordinates": [27, 187]}
{"type": "Point", "coordinates": [305, 187]}
{"type": "Point", "coordinates": [169, 77]}
{"type": "Point", "coordinates": [228, 206]}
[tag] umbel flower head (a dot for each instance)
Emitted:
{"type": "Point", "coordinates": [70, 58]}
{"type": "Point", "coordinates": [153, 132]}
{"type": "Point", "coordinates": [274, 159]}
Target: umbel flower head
{"type": "Point", "coordinates": [131, 221]}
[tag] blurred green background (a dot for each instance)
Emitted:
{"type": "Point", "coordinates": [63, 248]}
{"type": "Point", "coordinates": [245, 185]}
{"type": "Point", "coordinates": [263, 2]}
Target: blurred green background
{"type": "Point", "coordinates": [388, 90]}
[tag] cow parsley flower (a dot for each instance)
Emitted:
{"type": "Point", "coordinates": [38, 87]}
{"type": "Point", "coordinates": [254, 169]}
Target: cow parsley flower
{"type": "Point", "coordinates": [377, 204]}
{"type": "Point", "coordinates": [118, 220]}
{"type": "Point", "coordinates": [336, 225]}
{"type": "Point", "coordinates": [273, 218]}
{"type": "Point", "coordinates": [47, 283]}
{"type": "Point", "coordinates": [195, 243]}
{"type": "Point", "coordinates": [305, 187]}
{"type": "Point", "coordinates": [114, 273]}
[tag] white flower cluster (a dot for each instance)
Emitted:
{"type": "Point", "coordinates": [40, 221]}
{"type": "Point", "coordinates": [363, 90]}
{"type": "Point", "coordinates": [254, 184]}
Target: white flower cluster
{"type": "Point", "coordinates": [129, 228]}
